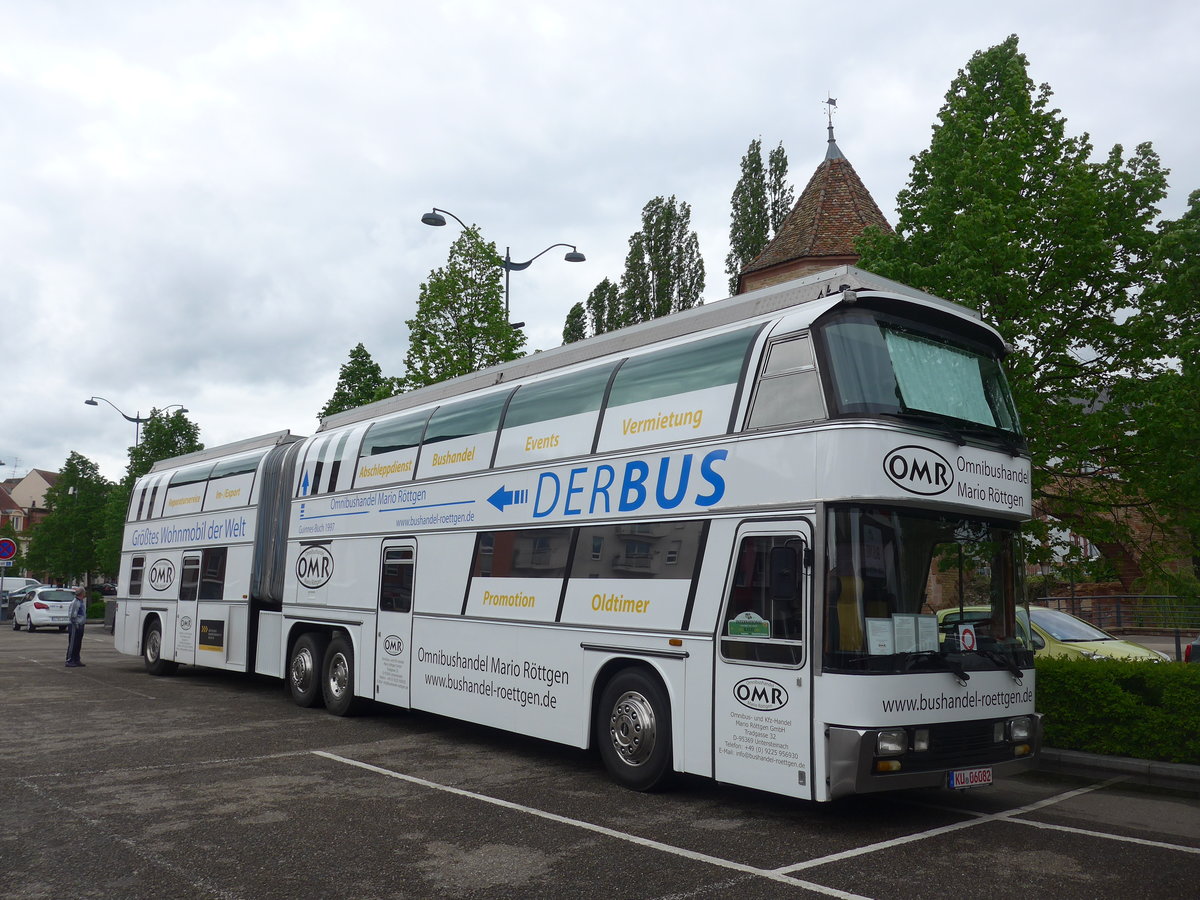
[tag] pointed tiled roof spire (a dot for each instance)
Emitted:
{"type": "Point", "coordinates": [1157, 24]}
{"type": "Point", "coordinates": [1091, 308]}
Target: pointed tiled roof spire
{"type": "Point", "coordinates": [819, 232]}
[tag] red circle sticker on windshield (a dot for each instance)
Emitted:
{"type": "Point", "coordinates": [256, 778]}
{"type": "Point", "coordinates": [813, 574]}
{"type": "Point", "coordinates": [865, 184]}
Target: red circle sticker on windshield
{"type": "Point", "coordinates": [966, 637]}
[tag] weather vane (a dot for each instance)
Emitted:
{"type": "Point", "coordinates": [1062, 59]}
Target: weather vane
{"type": "Point", "coordinates": [830, 104]}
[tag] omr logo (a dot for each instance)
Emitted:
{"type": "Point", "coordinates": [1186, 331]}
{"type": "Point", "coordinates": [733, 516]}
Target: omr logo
{"type": "Point", "coordinates": [162, 574]}
{"type": "Point", "coordinates": [314, 567]}
{"type": "Point", "coordinates": [761, 694]}
{"type": "Point", "coordinates": [185, 622]}
{"type": "Point", "coordinates": [918, 470]}
{"type": "Point", "coordinates": [393, 645]}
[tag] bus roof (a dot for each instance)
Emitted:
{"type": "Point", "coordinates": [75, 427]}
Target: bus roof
{"type": "Point", "coordinates": [712, 315]}
{"type": "Point", "coordinates": [273, 439]}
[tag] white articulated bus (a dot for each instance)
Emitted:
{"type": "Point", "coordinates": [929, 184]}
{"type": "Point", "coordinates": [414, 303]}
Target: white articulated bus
{"type": "Point", "coordinates": [714, 543]}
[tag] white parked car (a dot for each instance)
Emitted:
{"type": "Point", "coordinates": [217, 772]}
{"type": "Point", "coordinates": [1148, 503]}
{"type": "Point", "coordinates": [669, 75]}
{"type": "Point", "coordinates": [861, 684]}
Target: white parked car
{"type": "Point", "coordinates": [44, 607]}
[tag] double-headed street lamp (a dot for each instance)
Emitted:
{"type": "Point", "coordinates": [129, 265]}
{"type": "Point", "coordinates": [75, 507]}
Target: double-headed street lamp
{"type": "Point", "coordinates": [436, 219]}
{"type": "Point", "coordinates": [136, 420]}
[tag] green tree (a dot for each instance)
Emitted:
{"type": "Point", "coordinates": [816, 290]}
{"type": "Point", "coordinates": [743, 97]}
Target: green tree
{"type": "Point", "coordinates": [575, 328]}
{"type": "Point", "coordinates": [63, 545]}
{"type": "Point", "coordinates": [460, 325]}
{"type": "Point", "coordinates": [604, 307]}
{"type": "Point", "coordinates": [781, 197]}
{"type": "Point", "coordinates": [1008, 214]}
{"type": "Point", "coordinates": [749, 217]}
{"type": "Point", "coordinates": [1162, 409]}
{"type": "Point", "coordinates": [761, 200]}
{"type": "Point", "coordinates": [664, 271]}
{"type": "Point", "coordinates": [360, 381]}
{"type": "Point", "coordinates": [163, 437]}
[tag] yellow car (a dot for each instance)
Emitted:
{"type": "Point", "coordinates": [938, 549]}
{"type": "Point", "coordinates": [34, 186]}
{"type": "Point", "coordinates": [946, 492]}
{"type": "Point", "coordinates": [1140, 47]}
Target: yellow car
{"type": "Point", "coordinates": [1054, 633]}
{"type": "Point", "coordinates": [1057, 633]}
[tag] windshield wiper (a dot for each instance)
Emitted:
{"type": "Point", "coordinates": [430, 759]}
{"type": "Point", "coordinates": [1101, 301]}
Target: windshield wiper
{"type": "Point", "coordinates": [935, 657]}
{"type": "Point", "coordinates": [999, 435]}
{"type": "Point", "coordinates": [937, 422]}
{"type": "Point", "coordinates": [1002, 661]}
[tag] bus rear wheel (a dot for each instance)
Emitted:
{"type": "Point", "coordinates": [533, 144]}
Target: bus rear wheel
{"type": "Point", "coordinates": [304, 669]}
{"type": "Point", "coordinates": [633, 727]}
{"type": "Point", "coordinates": [338, 681]}
{"type": "Point", "coordinates": [152, 652]}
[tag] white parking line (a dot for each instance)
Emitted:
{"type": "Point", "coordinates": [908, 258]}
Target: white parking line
{"type": "Point", "coordinates": [1162, 845]}
{"type": "Point", "coordinates": [772, 874]}
{"type": "Point", "coordinates": [1006, 816]}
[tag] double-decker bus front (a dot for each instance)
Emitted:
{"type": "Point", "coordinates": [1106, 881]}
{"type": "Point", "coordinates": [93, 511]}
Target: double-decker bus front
{"type": "Point", "coordinates": [926, 670]}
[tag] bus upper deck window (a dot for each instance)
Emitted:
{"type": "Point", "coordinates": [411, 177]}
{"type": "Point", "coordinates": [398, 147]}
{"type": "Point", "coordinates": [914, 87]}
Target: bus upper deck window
{"type": "Point", "coordinates": [788, 390]}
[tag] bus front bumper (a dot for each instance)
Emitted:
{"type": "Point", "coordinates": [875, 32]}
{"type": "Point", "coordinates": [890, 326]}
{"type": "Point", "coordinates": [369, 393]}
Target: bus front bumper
{"type": "Point", "coordinates": [853, 763]}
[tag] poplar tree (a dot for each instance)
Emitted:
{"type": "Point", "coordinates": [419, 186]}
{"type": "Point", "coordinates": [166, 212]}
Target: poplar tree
{"type": "Point", "coordinates": [749, 217]}
{"type": "Point", "coordinates": [575, 328]}
{"type": "Point", "coordinates": [761, 200]}
{"type": "Point", "coordinates": [664, 271]}
{"type": "Point", "coordinates": [460, 325]}
{"type": "Point", "coordinates": [781, 197]}
{"type": "Point", "coordinates": [604, 307]}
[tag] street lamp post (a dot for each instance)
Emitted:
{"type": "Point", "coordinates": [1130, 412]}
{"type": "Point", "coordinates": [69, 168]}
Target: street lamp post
{"type": "Point", "coordinates": [436, 219]}
{"type": "Point", "coordinates": [137, 420]}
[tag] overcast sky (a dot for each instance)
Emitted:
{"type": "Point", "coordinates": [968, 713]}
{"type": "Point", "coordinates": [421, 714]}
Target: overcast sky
{"type": "Point", "coordinates": [210, 203]}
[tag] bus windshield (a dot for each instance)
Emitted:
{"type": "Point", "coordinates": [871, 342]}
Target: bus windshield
{"type": "Point", "coordinates": [883, 365]}
{"type": "Point", "coordinates": [909, 591]}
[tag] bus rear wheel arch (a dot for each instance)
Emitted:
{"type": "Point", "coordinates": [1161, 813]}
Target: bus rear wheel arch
{"type": "Point", "coordinates": [633, 729]}
{"type": "Point", "coordinates": [152, 649]}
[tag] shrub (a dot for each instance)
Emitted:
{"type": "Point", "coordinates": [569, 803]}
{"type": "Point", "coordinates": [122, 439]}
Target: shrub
{"type": "Point", "coordinates": [1119, 708]}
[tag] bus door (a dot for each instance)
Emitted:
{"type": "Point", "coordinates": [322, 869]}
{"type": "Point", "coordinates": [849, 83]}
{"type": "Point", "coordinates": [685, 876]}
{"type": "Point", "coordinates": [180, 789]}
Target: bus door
{"type": "Point", "coordinates": [186, 624]}
{"type": "Point", "coordinates": [393, 631]}
{"type": "Point", "coordinates": [762, 704]}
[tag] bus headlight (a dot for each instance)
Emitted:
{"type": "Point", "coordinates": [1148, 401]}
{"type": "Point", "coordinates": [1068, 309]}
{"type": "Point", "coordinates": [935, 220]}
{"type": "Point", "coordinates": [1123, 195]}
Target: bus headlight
{"type": "Point", "coordinates": [1020, 729]}
{"type": "Point", "coordinates": [891, 743]}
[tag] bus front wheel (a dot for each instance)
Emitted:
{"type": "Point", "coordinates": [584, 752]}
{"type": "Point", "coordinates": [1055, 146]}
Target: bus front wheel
{"type": "Point", "coordinates": [152, 652]}
{"type": "Point", "coordinates": [304, 669]}
{"type": "Point", "coordinates": [633, 727]}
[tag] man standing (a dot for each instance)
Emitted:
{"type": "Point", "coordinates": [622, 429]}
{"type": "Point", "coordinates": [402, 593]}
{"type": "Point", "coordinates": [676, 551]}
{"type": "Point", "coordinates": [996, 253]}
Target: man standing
{"type": "Point", "coordinates": [75, 622]}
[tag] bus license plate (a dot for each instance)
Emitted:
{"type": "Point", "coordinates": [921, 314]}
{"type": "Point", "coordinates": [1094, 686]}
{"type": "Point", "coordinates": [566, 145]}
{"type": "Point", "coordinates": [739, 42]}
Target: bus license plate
{"type": "Point", "coordinates": [967, 778]}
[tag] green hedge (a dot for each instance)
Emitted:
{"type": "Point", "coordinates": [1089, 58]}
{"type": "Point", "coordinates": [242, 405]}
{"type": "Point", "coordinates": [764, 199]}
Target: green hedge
{"type": "Point", "coordinates": [1143, 710]}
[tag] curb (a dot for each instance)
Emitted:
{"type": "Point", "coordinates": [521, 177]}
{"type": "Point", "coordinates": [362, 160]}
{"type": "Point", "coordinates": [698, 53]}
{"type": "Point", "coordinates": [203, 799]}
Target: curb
{"type": "Point", "coordinates": [1144, 771]}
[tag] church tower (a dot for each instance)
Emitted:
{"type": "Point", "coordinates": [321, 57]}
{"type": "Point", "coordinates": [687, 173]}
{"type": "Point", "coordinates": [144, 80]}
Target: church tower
{"type": "Point", "coordinates": [819, 232]}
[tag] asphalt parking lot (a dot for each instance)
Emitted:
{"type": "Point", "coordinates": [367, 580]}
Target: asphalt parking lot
{"type": "Point", "coordinates": [117, 784]}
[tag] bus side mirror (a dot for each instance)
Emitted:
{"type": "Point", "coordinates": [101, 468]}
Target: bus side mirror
{"type": "Point", "coordinates": [784, 574]}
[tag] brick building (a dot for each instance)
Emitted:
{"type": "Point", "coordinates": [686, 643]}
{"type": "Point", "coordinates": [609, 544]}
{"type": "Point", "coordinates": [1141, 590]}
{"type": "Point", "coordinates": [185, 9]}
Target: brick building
{"type": "Point", "coordinates": [819, 233]}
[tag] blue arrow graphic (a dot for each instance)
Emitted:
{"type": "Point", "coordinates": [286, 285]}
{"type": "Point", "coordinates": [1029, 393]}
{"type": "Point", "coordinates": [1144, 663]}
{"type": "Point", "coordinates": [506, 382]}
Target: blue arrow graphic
{"type": "Point", "coordinates": [503, 498]}
{"type": "Point", "coordinates": [304, 486]}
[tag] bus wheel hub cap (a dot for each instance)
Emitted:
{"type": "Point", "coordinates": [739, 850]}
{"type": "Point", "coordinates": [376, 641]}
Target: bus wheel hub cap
{"type": "Point", "coordinates": [631, 728]}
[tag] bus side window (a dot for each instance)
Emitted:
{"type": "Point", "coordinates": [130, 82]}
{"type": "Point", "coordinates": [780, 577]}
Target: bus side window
{"type": "Point", "coordinates": [189, 581]}
{"type": "Point", "coordinates": [788, 390]}
{"type": "Point", "coordinates": [764, 617]}
{"type": "Point", "coordinates": [212, 574]}
{"type": "Point", "coordinates": [137, 566]}
{"type": "Point", "coordinates": [396, 580]}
